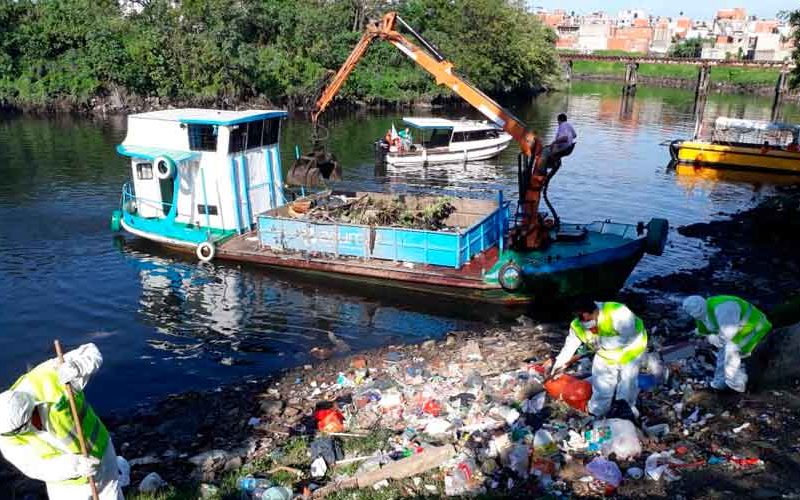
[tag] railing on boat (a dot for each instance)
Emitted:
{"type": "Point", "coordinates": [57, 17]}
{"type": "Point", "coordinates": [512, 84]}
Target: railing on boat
{"type": "Point", "coordinates": [129, 197]}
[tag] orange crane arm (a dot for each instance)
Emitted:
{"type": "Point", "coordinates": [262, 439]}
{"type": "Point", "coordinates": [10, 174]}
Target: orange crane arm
{"type": "Point", "coordinates": [441, 70]}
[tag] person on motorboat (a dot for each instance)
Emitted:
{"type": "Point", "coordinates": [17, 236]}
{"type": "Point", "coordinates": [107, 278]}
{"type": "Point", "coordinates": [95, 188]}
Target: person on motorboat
{"type": "Point", "coordinates": [618, 339]}
{"type": "Point", "coordinates": [735, 327]}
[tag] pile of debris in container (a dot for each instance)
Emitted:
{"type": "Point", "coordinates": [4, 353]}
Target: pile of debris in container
{"type": "Point", "coordinates": [468, 415]}
{"type": "Point", "coordinates": [371, 211]}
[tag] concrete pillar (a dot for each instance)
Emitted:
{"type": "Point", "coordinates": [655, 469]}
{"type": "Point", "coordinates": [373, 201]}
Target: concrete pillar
{"type": "Point", "coordinates": [568, 70]}
{"type": "Point", "coordinates": [781, 86]}
{"type": "Point", "coordinates": [703, 81]}
{"type": "Point", "coordinates": [631, 74]}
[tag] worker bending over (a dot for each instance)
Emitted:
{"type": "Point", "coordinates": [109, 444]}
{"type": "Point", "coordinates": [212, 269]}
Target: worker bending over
{"type": "Point", "coordinates": [618, 339]}
{"type": "Point", "coordinates": [39, 437]}
{"type": "Point", "coordinates": [735, 327]}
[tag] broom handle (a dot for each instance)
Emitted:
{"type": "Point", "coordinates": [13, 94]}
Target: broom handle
{"type": "Point", "coordinates": [78, 427]}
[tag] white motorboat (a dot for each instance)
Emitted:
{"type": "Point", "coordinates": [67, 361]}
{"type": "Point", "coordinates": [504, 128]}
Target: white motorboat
{"type": "Point", "coordinates": [438, 140]}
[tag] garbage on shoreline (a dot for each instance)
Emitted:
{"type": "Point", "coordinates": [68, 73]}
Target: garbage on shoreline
{"type": "Point", "coordinates": [467, 415]}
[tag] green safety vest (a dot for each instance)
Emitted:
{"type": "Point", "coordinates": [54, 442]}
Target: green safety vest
{"type": "Point", "coordinates": [605, 328]}
{"type": "Point", "coordinates": [46, 388]}
{"type": "Point", "coordinates": [754, 324]}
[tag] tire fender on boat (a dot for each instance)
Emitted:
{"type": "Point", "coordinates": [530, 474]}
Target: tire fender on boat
{"type": "Point", "coordinates": [656, 239]}
{"type": "Point", "coordinates": [674, 146]}
{"type": "Point", "coordinates": [165, 168]}
{"type": "Point", "coordinates": [206, 251]}
{"type": "Point", "coordinates": [116, 220]}
{"type": "Point", "coordinates": [510, 276]}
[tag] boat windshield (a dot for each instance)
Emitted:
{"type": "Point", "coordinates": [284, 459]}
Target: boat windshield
{"type": "Point", "coordinates": [439, 137]}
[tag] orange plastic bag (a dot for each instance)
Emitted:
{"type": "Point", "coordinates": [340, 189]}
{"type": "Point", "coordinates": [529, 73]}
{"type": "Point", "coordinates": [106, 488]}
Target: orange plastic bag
{"type": "Point", "coordinates": [329, 420]}
{"type": "Point", "coordinates": [573, 391]}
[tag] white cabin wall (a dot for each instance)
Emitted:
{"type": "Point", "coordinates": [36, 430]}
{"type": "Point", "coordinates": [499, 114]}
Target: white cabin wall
{"type": "Point", "coordinates": [148, 191]}
{"type": "Point", "coordinates": [157, 134]}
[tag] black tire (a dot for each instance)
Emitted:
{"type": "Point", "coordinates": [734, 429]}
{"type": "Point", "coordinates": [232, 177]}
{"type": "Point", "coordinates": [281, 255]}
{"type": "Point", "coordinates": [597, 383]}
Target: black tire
{"type": "Point", "coordinates": [656, 239]}
{"type": "Point", "coordinates": [505, 282]}
{"type": "Point", "coordinates": [673, 149]}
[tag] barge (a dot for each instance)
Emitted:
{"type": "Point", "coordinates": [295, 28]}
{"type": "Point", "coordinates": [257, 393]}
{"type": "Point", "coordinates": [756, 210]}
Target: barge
{"type": "Point", "coordinates": [210, 182]}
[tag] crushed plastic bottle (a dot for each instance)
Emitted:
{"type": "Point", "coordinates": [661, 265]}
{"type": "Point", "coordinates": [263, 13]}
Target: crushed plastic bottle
{"type": "Point", "coordinates": [249, 483]}
{"type": "Point", "coordinates": [519, 459]}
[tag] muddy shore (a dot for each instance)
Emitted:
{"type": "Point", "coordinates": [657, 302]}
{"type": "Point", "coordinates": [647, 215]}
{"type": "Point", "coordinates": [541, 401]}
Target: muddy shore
{"type": "Point", "coordinates": [258, 424]}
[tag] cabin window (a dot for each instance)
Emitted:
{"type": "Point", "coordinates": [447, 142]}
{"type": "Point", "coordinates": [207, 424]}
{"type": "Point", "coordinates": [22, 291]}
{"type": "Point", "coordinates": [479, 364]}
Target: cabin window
{"type": "Point", "coordinates": [254, 135]}
{"type": "Point", "coordinates": [207, 209]}
{"type": "Point", "coordinates": [202, 137]}
{"type": "Point", "coordinates": [271, 129]}
{"type": "Point", "coordinates": [254, 131]}
{"type": "Point", "coordinates": [439, 138]}
{"type": "Point", "coordinates": [144, 171]}
{"type": "Point", "coordinates": [238, 142]}
{"type": "Point", "coordinates": [459, 137]}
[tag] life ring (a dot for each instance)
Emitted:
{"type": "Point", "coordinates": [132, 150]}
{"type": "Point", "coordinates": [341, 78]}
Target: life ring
{"type": "Point", "coordinates": [205, 251]}
{"type": "Point", "coordinates": [165, 168]}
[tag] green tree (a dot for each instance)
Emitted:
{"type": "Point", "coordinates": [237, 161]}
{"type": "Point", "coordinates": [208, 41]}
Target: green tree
{"type": "Point", "coordinates": [689, 48]}
{"type": "Point", "coordinates": [793, 17]}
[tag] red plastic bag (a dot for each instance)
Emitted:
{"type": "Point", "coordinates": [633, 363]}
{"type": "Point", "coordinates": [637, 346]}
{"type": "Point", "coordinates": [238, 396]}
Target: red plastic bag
{"type": "Point", "coordinates": [329, 420]}
{"type": "Point", "coordinates": [432, 407]}
{"type": "Point", "coordinates": [573, 391]}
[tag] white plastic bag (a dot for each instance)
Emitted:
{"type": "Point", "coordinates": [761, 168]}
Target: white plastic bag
{"type": "Point", "coordinates": [124, 472]}
{"type": "Point", "coordinates": [618, 437]}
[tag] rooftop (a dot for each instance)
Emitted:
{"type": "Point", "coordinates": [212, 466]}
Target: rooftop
{"type": "Point", "coordinates": [457, 125]}
{"type": "Point", "coordinates": [211, 116]}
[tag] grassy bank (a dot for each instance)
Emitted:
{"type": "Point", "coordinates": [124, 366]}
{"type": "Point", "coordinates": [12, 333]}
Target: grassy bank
{"type": "Point", "coordinates": [733, 76]}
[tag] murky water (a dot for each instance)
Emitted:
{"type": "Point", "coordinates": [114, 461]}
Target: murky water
{"type": "Point", "coordinates": [165, 324]}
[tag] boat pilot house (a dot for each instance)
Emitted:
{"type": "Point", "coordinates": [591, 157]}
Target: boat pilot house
{"type": "Point", "coordinates": [199, 176]}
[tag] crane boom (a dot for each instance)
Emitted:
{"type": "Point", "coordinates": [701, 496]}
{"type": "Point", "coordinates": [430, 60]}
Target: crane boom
{"type": "Point", "coordinates": [529, 234]}
{"type": "Point", "coordinates": [441, 70]}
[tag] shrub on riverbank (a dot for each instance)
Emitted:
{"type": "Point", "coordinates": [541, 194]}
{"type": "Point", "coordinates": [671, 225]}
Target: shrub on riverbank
{"type": "Point", "coordinates": [721, 74]}
{"type": "Point", "coordinates": [57, 53]}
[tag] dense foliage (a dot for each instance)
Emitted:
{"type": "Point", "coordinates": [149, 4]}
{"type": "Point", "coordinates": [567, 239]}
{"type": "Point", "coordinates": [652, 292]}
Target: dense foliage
{"type": "Point", "coordinates": [227, 51]}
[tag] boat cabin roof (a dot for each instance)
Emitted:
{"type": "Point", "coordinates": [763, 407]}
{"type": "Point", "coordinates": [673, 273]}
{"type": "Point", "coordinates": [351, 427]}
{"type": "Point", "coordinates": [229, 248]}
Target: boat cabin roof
{"type": "Point", "coordinates": [444, 123]}
{"type": "Point", "coordinates": [210, 116]}
{"type": "Point", "coordinates": [723, 122]}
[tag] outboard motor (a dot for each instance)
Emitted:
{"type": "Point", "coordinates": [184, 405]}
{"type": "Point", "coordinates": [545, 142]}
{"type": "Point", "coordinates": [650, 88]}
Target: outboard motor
{"type": "Point", "coordinates": [381, 149]}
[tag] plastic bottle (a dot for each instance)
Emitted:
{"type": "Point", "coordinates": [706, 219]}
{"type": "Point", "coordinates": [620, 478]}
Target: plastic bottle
{"type": "Point", "coordinates": [250, 483]}
{"type": "Point", "coordinates": [459, 480]}
{"type": "Point", "coordinates": [273, 493]}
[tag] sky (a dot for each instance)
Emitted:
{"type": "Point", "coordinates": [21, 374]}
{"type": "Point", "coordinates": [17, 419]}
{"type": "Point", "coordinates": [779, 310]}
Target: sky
{"type": "Point", "coordinates": [692, 8]}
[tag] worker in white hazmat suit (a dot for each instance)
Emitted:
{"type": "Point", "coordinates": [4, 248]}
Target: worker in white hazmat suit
{"type": "Point", "coordinates": [618, 339]}
{"type": "Point", "coordinates": [38, 434]}
{"type": "Point", "coordinates": [735, 327]}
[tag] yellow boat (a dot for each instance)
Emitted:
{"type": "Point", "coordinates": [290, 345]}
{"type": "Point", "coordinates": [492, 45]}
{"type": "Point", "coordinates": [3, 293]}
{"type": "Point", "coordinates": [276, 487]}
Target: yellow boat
{"type": "Point", "coordinates": [743, 144]}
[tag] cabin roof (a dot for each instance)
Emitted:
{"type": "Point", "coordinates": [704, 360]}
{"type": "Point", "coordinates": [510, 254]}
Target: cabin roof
{"type": "Point", "coordinates": [210, 116]}
{"type": "Point", "coordinates": [723, 122]}
{"type": "Point", "coordinates": [151, 153]}
{"type": "Point", "coordinates": [456, 125]}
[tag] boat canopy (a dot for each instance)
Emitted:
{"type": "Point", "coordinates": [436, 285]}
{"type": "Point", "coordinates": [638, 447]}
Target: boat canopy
{"type": "Point", "coordinates": [443, 123]}
{"type": "Point", "coordinates": [151, 153]}
{"type": "Point", "coordinates": [723, 122]}
{"type": "Point", "coordinates": [217, 117]}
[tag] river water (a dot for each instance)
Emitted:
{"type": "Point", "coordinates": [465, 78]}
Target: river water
{"type": "Point", "coordinates": [166, 324]}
